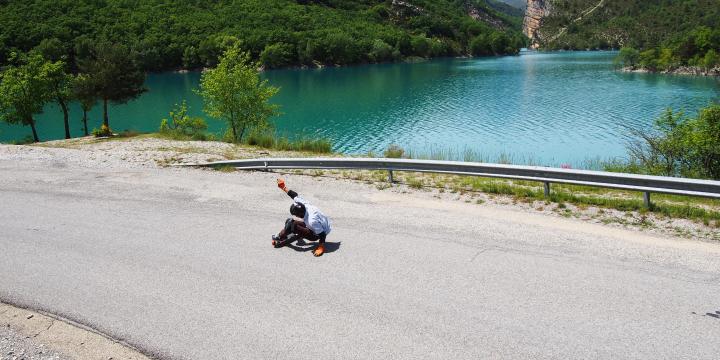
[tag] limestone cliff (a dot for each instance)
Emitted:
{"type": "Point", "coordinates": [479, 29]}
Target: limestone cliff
{"type": "Point", "coordinates": [534, 14]}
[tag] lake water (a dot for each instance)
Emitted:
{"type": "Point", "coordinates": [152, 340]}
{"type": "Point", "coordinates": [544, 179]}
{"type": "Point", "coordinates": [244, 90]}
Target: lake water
{"type": "Point", "coordinates": [546, 108]}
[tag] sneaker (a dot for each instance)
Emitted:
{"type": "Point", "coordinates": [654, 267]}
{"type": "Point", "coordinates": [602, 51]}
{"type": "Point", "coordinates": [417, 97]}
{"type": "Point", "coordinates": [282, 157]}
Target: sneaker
{"type": "Point", "coordinates": [276, 241]}
{"type": "Point", "coordinates": [319, 250]}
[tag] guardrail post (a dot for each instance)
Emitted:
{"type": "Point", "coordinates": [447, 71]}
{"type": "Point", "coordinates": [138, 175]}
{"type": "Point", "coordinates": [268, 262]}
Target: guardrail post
{"type": "Point", "coordinates": [390, 176]}
{"type": "Point", "coordinates": [646, 199]}
{"type": "Point", "coordinates": [547, 189]}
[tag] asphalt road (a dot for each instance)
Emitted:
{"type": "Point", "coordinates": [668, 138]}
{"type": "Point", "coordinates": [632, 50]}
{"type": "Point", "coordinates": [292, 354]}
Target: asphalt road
{"type": "Point", "coordinates": [178, 263]}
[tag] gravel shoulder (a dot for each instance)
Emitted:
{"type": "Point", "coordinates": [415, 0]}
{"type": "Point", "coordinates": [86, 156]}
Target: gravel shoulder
{"type": "Point", "coordinates": [29, 335]}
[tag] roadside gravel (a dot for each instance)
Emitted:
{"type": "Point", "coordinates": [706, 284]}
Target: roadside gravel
{"type": "Point", "coordinates": [17, 346]}
{"type": "Point", "coordinates": [31, 335]}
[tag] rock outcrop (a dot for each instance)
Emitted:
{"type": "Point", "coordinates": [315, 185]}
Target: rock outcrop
{"type": "Point", "coordinates": [534, 14]}
{"type": "Point", "coordinates": [481, 15]}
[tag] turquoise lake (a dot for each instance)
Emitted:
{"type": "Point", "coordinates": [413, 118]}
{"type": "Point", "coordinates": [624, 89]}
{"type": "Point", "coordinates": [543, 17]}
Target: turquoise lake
{"type": "Point", "coordinates": [545, 108]}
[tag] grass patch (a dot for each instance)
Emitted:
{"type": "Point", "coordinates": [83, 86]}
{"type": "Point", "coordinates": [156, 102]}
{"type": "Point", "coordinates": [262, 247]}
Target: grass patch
{"type": "Point", "coordinates": [582, 197]}
{"type": "Point", "coordinates": [225, 168]}
{"type": "Point", "coordinates": [305, 144]}
{"type": "Point", "coordinates": [415, 183]}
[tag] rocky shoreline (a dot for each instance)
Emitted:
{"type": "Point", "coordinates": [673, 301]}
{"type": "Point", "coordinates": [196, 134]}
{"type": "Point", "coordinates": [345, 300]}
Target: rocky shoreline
{"type": "Point", "coordinates": [682, 70]}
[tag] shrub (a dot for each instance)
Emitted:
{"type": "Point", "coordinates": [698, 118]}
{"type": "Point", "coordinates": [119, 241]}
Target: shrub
{"type": "Point", "coordinates": [678, 146]}
{"type": "Point", "coordinates": [394, 152]}
{"type": "Point", "coordinates": [277, 55]}
{"type": "Point", "coordinates": [381, 51]}
{"type": "Point", "coordinates": [265, 138]}
{"type": "Point", "coordinates": [182, 126]}
{"type": "Point", "coordinates": [480, 46]}
{"type": "Point", "coordinates": [628, 57]}
{"type": "Point", "coordinates": [104, 131]}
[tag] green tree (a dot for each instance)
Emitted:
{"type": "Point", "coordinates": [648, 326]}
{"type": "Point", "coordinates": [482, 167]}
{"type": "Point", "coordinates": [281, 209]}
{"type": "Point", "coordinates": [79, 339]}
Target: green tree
{"type": "Point", "coordinates": [115, 76]}
{"type": "Point", "coordinates": [52, 49]}
{"type": "Point", "coordinates": [84, 93]}
{"type": "Point", "coordinates": [381, 51]}
{"type": "Point", "coordinates": [500, 43]}
{"type": "Point", "coordinates": [667, 59]}
{"type": "Point", "coordinates": [628, 57]}
{"type": "Point", "coordinates": [648, 59]}
{"type": "Point", "coordinates": [183, 126]}
{"type": "Point", "coordinates": [24, 91]}
{"type": "Point", "coordinates": [680, 146]}
{"type": "Point", "coordinates": [480, 46]}
{"type": "Point", "coordinates": [711, 60]}
{"type": "Point", "coordinates": [277, 55]}
{"type": "Point", "coordinates": [704, 142]}
{"type": "Point", "coordinates": [420, 45]}
{"type": "Point", "coordinates": [234, 92]}
{"type": "Point", "coordinates": [61, 87]}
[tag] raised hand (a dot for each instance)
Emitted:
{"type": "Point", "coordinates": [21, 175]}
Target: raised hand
{"type": "Point", "coordinates": [281, 184]}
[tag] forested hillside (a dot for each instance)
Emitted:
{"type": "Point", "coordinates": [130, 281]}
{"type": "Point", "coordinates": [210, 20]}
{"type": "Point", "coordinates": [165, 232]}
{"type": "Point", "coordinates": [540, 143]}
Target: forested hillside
{"type": "Point", "coordinates": [670, 35]}
{"type": "Point", "coordinates": [170, 34]}
{"type": "Point", "coordinates": [583, 24]}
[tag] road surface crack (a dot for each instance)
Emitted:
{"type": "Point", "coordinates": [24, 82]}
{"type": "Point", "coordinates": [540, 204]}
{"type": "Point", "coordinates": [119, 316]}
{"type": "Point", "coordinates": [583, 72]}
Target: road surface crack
{"type": "Point", "coordinates": [52, 322]}
{"type": "Point", "coordinates": [478, 254]}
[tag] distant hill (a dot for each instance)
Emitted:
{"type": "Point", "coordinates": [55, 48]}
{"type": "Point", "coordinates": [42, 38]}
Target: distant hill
{"type": "Point", "coordinates": [520, 4]}
{"type": "Point", "coordinates": [582, 24]}
{"type": "Point", "coordinates": [170, 34]}
{"type": "Point", "coordinates": [507, 7]}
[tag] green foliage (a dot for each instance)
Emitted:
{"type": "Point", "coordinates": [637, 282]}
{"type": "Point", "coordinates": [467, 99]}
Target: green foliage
{"type": "Point", "coordinates": [278, 55]}
{"type": "Point", "coordinates": [103, 131]}
{"type": "Point", "coordinates": [61, 84]}
{"type": "Point", "coordinates": [669, 34]}
{"type": "Point", "coordinates": [84, 92]}
{"type": "Point", "coordinates": [234, 92]}
{"type": "Point", "coordinates": [113, 75]}
{"type": "Point", "coordinates": [480, 46]}
{"type": "Point", "coordinates": [182, 126]}
{"type": "Point", "coordinates": [628, 57]}
{"type": "Point", "coordinates": [711, 60]}
{"type": "Point", "coordinates": [381, 51]}
{"type": "Point", "coordinates": [394, 152]}
{"type": "Point", "coordinates": [167, 34]}
{"type": "Point", "coordinates": [24, 91]}
{"type": "Point", "coordinates": [267, 139]}
{"type": "Point", "coordinates": [679, 146]}
{"type": "Point", "coordinates": [639, 24]}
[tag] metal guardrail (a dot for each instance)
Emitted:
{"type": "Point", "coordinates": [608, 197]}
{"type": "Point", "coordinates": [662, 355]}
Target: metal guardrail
{"type": "Point", "coordinates": [642, 183]}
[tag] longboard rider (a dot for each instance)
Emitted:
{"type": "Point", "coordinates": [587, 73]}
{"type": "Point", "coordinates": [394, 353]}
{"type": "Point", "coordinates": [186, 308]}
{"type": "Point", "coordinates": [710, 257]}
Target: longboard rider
{"type": "Point", "coordinates": [314, 226]}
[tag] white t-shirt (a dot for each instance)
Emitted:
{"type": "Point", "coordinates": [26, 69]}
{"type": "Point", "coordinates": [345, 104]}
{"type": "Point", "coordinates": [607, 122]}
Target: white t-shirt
{"type": "Point", "coordinates": [314, 218]}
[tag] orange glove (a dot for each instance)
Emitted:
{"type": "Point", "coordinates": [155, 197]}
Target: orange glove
{"type": "Point", "coordinates": [281, 184]}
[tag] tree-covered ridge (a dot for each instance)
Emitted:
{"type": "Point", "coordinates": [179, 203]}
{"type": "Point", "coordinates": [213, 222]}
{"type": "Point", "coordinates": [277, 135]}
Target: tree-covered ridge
{"type": "Point", "coordinates": [698, 49]}
{"type": "Point", "coordinates": [168, 34]}
{"type": "Point", "coordinates": [639, 24]}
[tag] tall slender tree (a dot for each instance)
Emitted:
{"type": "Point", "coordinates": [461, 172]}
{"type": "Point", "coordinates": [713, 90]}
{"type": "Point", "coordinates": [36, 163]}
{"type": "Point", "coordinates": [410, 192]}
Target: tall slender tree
{"type": "Point", "coordinates": [61, 87]}
{"type": "Point", "coordinates": [84, 93]}
{"type": "Point", "coordinates": [115, 76]}
{"type": "Point", "coordinates": [24, 91]}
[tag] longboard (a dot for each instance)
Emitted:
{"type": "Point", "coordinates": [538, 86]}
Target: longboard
{"type": "Point", "coordinates": [280, 243]}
